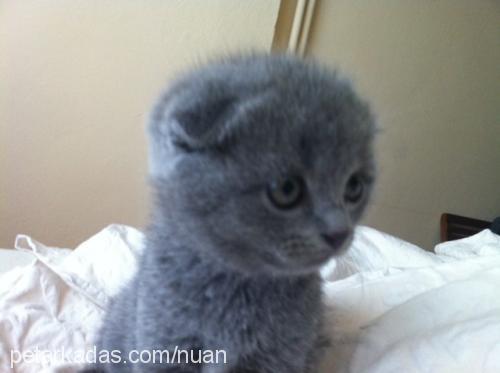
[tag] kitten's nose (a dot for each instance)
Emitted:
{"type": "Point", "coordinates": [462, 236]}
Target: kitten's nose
{"type": "Point", "coordinates": [336, 239]}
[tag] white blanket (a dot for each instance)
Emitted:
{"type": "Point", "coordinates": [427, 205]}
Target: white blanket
{"type": "Point", "coordinates": [392, 307]}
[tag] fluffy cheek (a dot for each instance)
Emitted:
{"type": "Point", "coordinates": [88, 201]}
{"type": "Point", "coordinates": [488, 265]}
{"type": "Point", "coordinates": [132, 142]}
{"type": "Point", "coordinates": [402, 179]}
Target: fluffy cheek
{"type": "Point", "coordinates": [244, 236]}
{"type": "Point", "coordinates": [271, 243]}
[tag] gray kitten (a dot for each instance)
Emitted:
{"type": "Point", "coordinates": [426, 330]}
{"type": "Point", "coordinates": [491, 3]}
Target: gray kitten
{"type": "Point", "coordinates": [261, 166]}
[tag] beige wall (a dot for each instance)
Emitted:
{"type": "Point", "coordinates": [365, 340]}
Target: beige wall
{"type": "Point", "coordinates": [431, 70]}
{"type": "Point", "coordinates": [76, 79]}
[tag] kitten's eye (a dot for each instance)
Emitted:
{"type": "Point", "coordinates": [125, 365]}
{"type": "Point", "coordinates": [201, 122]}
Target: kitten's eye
{"type": "Point", "coordinates": [286, 193]}
{"type": "Point", "coordinates": [354, 189]}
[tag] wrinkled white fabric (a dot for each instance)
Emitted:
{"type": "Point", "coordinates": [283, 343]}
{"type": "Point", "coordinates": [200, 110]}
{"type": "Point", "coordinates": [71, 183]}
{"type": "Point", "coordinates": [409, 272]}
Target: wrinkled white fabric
{"type": "Point", "coordinates": [443, 317]}
{"type": "Point", "coordinates": [391, 306]}
{"type": "Point", "coordinates": [13, 258]}
{"type": "Point", "coordinates": [483, 244]}
{"type": "Point", "coordinates": [58, 301]}
{"type": "Point", "coordinates": [373, 250]}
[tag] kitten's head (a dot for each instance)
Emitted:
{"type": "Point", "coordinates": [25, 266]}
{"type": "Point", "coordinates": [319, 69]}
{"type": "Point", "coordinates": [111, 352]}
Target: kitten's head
{"type": "Point", "coordinates": [264, 162]}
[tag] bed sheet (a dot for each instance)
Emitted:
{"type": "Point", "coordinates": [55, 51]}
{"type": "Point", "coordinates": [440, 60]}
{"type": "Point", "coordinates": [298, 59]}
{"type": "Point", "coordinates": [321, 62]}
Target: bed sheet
{"type": "Point", "coordinates": [440, 317]}
{"type": "Point", "coordinates": [391, 306]}
{"type": "Point", "coordinates": [12, 258]}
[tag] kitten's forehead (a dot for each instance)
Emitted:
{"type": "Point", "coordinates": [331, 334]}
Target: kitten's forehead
{"type": "Point", "coordinates": [319, 130]}
{"type": "Point", "coordinates": [269, 111]}
{"type": "Point", "coordinates": [301, 104]}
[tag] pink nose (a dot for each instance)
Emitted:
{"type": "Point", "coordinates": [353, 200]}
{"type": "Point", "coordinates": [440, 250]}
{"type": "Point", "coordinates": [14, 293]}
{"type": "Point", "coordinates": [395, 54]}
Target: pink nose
{"type": "Point", "coordinates": [335, 239]}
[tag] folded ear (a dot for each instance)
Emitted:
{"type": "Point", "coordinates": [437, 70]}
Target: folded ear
{"type": "Point", "coordinates": [203, 122]}
{"type": "Point", "coordinates": [194, 119]}
{"type": "Point", "coordinates": [196, 116]}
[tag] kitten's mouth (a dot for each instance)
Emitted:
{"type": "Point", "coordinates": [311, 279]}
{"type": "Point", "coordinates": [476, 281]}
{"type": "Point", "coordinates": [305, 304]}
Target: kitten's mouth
{"type": "Point", "coordinates": [317, 260]}
{"type": "Point", "coordinates": [310, 258]}
{"type": "Point", "coordinates": [306, 264]}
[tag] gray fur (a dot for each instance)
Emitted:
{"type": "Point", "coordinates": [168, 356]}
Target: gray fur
{"type": "Point", "coordinates": [223, 267]}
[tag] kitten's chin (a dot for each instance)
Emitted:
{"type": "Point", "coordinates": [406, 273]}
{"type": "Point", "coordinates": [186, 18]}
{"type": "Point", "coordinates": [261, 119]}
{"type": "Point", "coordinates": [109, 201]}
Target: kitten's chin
{"type": "Point", "coordinates": [305, 266]}
{"type": "Point", "coordinates": [312, 262]}
{"type": "Point", "coordinates": [276, 262]}
{"type": "Point", "coordinates": [278, 267]}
